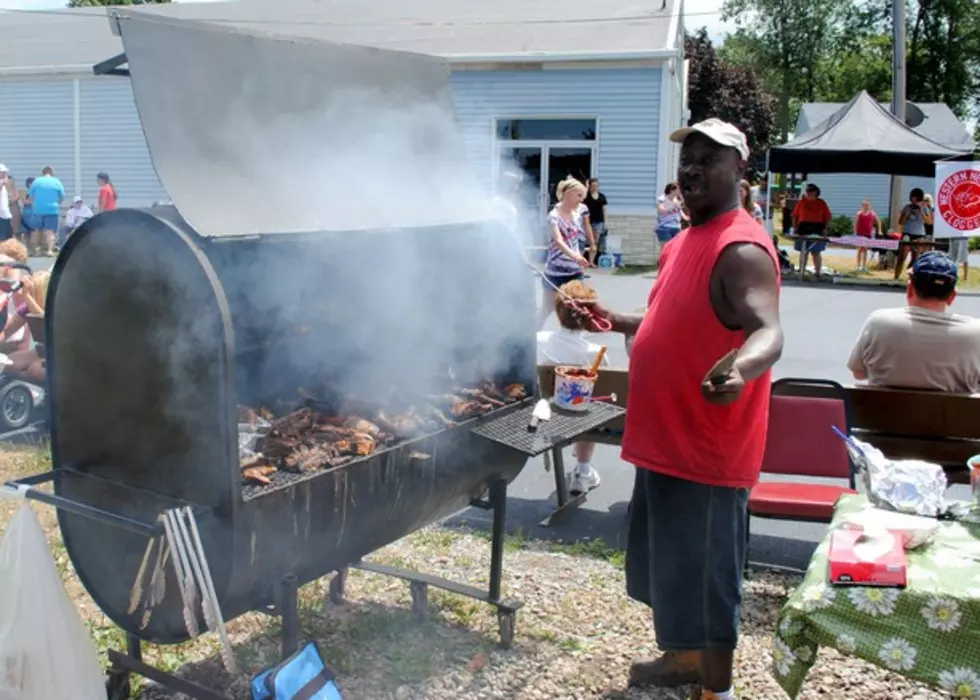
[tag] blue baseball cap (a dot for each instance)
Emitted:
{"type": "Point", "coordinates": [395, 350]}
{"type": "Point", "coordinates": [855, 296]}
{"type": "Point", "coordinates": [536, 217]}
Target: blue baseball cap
{"type": "Point", "coordinates": [936, 269]}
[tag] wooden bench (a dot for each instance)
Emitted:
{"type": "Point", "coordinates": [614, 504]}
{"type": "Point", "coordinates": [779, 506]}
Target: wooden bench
{"type": "Point", "coordinates": [912, 424]}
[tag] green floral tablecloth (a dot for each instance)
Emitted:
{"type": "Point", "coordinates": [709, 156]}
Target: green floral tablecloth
{"type": "Point", "coordinates": [929, 631]}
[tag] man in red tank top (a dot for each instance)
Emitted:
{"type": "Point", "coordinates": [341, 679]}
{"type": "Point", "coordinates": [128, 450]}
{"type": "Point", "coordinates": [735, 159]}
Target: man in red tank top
{"type": "Point", "coordinates": [695, 421]}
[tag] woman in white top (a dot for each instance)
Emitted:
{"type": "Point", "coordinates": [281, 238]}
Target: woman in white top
{"type": "Point", "coordinates": [670, 213]}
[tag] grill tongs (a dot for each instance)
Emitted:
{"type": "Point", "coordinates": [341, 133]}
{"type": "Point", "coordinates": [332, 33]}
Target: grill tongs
{"type": "Point", "coordinates": [182, 543]}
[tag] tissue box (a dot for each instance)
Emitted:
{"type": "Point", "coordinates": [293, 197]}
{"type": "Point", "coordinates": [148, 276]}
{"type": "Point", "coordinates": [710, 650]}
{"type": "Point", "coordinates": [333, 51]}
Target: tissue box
{"type": "Point", "coordinates": [856, 562]}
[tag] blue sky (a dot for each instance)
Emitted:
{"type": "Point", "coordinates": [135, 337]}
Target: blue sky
{"type": "Point", "coordinates": [700, 12]}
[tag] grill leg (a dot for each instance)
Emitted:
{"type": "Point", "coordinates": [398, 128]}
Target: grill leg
{"type": "Point", "coordinates": [420, 599]}
{"type": "Point", "coordinates": [498, 500]}
{"type": "Point", "coordinates": [289, 610]}
{"type": "Point", "coordinates": [335, 590]}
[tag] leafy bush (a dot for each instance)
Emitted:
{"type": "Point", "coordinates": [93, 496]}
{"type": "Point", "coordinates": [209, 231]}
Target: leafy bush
{"type": "Point", "coordinates": [974, 244]}
{"type": "Point", "coordinates": [840, 226]}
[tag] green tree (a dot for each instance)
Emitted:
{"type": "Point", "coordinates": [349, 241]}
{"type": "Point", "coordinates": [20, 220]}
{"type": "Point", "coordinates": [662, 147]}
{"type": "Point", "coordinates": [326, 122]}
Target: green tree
{"type": "Point", "coordinates": [104, 3]}
{"type": "Point", "coordinates": [944, 54]}
{"type": "Point", "coordinates": [792, 36]}
{"type": "Point", "coordinates": [733, 93]}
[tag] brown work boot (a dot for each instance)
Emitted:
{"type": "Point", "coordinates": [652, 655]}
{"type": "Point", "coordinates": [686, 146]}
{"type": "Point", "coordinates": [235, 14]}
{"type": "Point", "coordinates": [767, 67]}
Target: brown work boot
{"type": "Point", "coordinates": [672, 669]}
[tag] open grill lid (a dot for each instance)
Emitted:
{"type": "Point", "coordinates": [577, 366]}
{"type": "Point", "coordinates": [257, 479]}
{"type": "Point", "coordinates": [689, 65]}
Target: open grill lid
{"type": "Point", "coordinates": [259, 134]}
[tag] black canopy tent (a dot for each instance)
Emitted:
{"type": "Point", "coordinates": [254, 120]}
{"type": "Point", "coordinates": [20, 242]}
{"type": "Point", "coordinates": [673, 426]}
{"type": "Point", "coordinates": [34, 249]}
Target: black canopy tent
{"type": "Point", "coordinates": [862, 137]}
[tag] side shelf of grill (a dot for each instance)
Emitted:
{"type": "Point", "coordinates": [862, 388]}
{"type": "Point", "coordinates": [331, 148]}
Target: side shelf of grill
{"type": "Point", "coordinates": [564, 427]}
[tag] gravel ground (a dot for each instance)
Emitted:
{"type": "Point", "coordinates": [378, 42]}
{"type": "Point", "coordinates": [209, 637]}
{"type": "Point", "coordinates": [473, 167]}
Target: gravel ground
{"type": "Point", "coordinates": [576, 635]}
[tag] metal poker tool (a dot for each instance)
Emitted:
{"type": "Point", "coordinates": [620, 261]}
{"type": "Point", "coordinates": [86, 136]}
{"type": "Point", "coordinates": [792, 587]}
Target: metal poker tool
{"type": "Point", "coordinates": [603, 324]}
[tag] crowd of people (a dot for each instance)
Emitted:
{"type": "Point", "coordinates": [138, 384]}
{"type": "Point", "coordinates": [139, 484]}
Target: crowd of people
{"type": "Point", "coordinates": [37, 216]}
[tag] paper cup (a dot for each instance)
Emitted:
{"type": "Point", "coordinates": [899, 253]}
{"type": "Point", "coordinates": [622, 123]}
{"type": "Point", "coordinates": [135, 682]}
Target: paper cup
{"type": "Point", "coordinates": [573, 388]}
{"type": "Point", "coordinates": [973, 464]}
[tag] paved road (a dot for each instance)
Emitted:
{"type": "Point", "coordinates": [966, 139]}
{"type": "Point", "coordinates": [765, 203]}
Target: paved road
{"type": "Point", "coordinates": [821, 325]}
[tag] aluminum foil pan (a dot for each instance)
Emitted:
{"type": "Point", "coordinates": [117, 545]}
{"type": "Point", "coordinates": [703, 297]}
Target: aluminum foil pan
{"type": "Point", "coordinates": [248, 437]}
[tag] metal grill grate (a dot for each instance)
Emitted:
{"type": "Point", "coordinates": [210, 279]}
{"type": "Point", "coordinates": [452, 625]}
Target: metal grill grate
{"type": "Point", "coordinates": [564, 426]}
{"type": "Point", "coordinates": [283, 478]}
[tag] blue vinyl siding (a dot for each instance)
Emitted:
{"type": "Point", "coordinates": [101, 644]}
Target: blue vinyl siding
{"type": "Point", "coordinates": [626, 102]}
{"type": "Point", "coordinates": [37, 130]}
{"type": "Point", "coordinates": [112, 141]}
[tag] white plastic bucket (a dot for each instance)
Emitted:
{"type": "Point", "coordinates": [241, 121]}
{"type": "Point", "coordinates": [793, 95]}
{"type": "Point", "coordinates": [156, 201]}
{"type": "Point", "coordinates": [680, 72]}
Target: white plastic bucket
{"type": "Point", "coordinates": [573, 388]}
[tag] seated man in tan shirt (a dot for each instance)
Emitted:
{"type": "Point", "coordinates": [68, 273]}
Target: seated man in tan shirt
{"type": "Point", "coordinates": [924, 345]}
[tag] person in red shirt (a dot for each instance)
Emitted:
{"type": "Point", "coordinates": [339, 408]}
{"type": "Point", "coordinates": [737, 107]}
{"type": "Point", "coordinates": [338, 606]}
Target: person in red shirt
{"type": "Point", "coordinates": [696, 428]}
{"type": "Point", "coordinates": [811, 216]}
{"type": "Point", "coordinates": [107, 193]}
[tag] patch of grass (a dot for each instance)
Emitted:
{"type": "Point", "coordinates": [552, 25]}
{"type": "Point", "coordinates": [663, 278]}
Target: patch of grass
{"type": "Point", "coordinates": [455, 608]}
{"type": "Point", "coordinates": [594, 549]}
{"type": "Point", "coordinates": [634, 269]}
{"type": "Point", "coordinates": [437, 540]}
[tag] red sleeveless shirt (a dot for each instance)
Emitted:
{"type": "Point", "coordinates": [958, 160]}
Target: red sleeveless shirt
{"type": "Point", "coordinates": [670, 428]}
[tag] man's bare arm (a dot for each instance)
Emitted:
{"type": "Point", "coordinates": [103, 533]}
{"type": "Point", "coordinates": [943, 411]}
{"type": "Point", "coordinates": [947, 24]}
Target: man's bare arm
{"type": "Point", "coordinates": [751, 286]}
{"type": "Point", "coordinates": [627, 324]}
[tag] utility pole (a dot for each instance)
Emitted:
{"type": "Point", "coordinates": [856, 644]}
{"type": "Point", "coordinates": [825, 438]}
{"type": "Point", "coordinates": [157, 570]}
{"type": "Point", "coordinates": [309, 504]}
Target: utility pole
{"type": "Point", "coordinates": [897, 198]}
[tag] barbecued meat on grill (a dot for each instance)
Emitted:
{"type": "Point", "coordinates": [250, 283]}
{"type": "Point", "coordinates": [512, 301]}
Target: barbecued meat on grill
{"type": "Point", "coordinates": [307, 440]}
{"type": "Point", "coordinates": [311, 459]}
{"type": "Point", "coordinates": [406, 425]}
{"type": "Point", "coordinates": [515, 392]}
{"type": "Point", "coordinates": [259, 474]}
{"type": "Point", "coordinates": [361, 425]}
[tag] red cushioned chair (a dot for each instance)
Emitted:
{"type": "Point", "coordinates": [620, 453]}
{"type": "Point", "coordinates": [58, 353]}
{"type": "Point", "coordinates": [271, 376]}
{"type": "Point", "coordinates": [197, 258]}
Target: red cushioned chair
{"type": "Point", "coordinates": [800, 442]}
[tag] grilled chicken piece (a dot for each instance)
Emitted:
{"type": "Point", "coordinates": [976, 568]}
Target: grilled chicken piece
{"type": "Point", "coordinates": [481, 396]}
{"type": "Point", "coordinates": [359, 444]}
{"type": "Point", "coordinates": [294, 423]}
{"type": "Point", "coordinates": [462, 410]}
{"type": "Point", "coordinates": [404, 425]}
{"type": "Point", "coordinates": [515, 392]}
{"type": "Point", "coordinates": [360, 425]}
{"type": "Point", "coordinates": [310, 459]}
{"type": "Point", "coordinates": [256, 460]}
{"type": "Point", "coordinates": [259, 474]}
{"type": "Point", "coordinates": [439, 417]}
{"type": "Point", "coordinates": [267, 414]}
{"type": "Point", "coordinates": [492, 390]}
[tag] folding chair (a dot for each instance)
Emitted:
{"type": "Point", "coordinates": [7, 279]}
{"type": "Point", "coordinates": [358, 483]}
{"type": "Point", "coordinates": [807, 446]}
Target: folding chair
{"type": "Point", "coordinates": [800, 442]}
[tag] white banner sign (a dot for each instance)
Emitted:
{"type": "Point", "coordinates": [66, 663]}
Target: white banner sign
{"type": "Point", "coordinates": [957, 200]}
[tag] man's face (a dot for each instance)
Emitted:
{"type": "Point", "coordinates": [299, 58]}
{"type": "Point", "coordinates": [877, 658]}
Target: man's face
{"type": "Point", "coordinates": [594, 187]}
{"type": "Point", "coordinates": [811, 194]}
{"type": "Point", "coordinates": [708, 173]}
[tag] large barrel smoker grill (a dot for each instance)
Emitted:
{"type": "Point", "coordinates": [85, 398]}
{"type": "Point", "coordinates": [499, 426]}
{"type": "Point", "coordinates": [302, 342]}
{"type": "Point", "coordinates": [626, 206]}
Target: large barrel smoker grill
{"type": "Point", "coordinates": [162, 323]}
